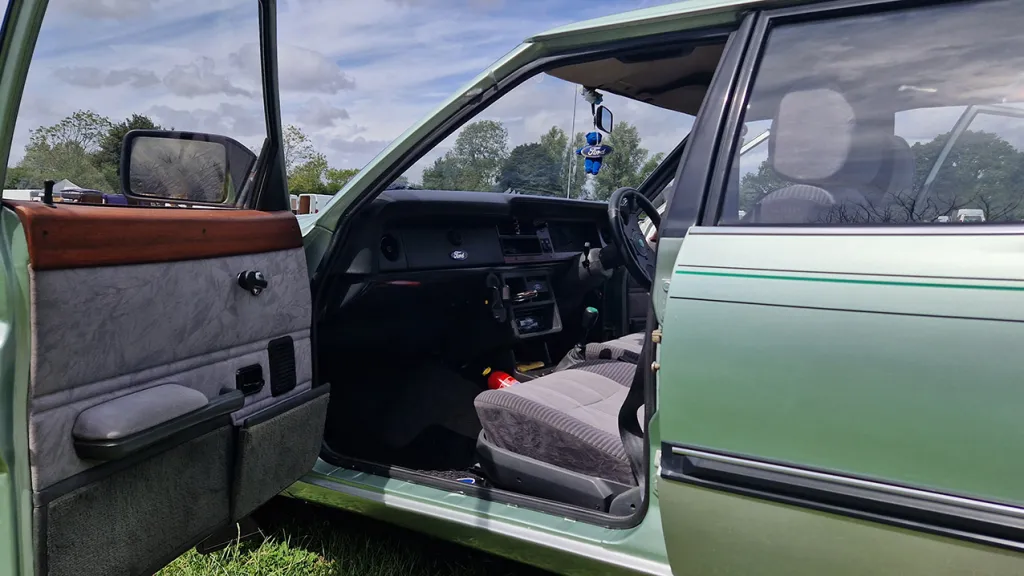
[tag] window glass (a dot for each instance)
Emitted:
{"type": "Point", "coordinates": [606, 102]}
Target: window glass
{"type": "Point", "coordinates": [914, 116]}
{"type": "Point", "coordinates": [521, 144]}
{"type": "Point", "coordinates": [101, 69]}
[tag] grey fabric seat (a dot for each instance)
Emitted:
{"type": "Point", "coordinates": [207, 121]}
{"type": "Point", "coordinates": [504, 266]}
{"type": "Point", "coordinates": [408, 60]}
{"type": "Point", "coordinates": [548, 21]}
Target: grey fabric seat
{"type": "Point", "coordinates": [625, 348]}
{"type": "Point", "coordinates": [568, 418]}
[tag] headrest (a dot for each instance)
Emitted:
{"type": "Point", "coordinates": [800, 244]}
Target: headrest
{"type": "Point", "coordinates": [896, 174]}
{"type": "Point", "coordinates": [816, 139]}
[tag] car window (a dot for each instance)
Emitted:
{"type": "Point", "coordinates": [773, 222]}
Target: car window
{"type": "Point", "coordinates": [100, 69]}
{"type": "Point", "coordinates": [526, 143]}
{"type": "Point", "coordinates": [903, 117]}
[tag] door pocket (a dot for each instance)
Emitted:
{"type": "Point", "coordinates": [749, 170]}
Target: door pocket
{"type": "Point", "coordinates": [276, 447]}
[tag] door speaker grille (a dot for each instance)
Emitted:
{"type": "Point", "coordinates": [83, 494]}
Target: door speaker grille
{"type": "Point", "coordinates": [282, 365]}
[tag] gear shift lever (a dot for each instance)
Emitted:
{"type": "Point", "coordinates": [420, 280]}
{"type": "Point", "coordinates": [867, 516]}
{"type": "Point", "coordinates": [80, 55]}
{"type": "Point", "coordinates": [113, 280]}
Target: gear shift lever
{"type": "Point", "coordinates": [589, 319]}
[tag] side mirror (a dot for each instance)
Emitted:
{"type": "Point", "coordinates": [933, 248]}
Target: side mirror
{"type": "Point", "coordinates": [603, 118]}
{"type": "Point", "coordinates": [183, 166]}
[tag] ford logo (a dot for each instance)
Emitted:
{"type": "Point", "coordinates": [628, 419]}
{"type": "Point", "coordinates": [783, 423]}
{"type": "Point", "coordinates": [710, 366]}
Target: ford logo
{"type": "Point", "coordinates": [459, 255]}
{"type": "Point", "coordinates": [595, 151]}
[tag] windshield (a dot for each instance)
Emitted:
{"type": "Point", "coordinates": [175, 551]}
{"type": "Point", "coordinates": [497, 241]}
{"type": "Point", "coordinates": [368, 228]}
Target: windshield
{"type": "Point", "coordinates": [528, 141]}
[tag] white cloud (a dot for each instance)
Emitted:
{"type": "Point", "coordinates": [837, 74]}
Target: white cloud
{"type": "Point", "coordinates": [354, 75]}
{"type": "Point", "coordinates": [299, 69]}
{"type": "Point", "coordinates": [354, 152]}
{"type": "Point", "coordinates": [110, 9]}
{"type": "Point", "coordinates": [232, 120]}
{"type": "Point", "coordinates": [316, 114]}
{"type": "Point", "coordinates": [92, 77]}
{"type": "Point", "coordinates": [200, 78]}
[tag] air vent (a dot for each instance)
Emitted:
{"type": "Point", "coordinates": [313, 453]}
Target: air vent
{"type": "Point", "coordinates": [520, 246]}
{"type": "Point", "coordinates": [516, 227]}
{"type": "Point", "coordinates": [390, 248]}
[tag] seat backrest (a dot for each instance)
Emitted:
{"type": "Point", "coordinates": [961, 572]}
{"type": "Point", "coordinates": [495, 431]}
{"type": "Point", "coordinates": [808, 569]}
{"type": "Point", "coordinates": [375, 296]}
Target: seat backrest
{"type": "Point", "coordinates": [832, 159]}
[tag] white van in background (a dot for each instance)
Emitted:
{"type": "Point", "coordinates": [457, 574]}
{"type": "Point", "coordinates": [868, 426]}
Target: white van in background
{"type": "Point", "coordinates": [310, 203]}
{"type": "Point", "coordinates": [969, 215]}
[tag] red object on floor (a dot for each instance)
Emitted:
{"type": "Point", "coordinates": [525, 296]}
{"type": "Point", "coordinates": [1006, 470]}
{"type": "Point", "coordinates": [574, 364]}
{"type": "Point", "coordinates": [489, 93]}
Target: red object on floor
{"type": "Point", "coordinates": [498, 379]}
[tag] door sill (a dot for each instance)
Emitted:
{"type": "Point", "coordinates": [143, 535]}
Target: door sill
{"type": "Point", "coordinates": [559, 509]}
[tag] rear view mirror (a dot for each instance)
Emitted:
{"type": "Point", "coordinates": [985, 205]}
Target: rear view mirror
{"type": "Point", "coordinates": [603, 119]}
{"type": "Point", "coordinates": [183, 166]}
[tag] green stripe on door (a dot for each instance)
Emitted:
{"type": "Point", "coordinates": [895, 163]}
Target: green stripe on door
{"type": "Point", "coordinates": [847, 280]}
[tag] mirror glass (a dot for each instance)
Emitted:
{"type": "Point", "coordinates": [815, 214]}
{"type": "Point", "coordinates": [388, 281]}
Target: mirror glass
{"type": "Point", "coordinates": [190, 170]}
{"type": "Point", "coordinates": [603, 118]}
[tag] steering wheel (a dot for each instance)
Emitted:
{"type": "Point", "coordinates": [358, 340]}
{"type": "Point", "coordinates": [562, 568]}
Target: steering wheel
{"type": "Point", "coordinates": [624, 209]}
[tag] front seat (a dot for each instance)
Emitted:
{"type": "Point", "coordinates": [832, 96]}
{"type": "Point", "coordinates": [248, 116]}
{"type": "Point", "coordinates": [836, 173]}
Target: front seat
{"type": "Point", "coordinates": [557, 436]}
{"type": "Point", "coordinates": [625, 348]}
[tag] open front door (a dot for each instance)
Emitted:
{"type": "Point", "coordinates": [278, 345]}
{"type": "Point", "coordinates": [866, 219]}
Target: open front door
{"type": "Point", "coordinates": [169, 387]}
{"type": "Point", "coordinates": [166, 400]}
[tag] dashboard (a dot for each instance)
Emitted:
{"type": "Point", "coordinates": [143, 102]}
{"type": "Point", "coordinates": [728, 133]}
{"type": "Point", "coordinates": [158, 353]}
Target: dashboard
{"type": "Point", "coordinates": [520, 255]}
{"type": "Point", "coordinates": [422, 230]}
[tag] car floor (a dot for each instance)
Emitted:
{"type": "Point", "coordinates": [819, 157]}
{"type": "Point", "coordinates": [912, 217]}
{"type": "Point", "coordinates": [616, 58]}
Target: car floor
{"type": "Point", "coordinates": [416, 414]}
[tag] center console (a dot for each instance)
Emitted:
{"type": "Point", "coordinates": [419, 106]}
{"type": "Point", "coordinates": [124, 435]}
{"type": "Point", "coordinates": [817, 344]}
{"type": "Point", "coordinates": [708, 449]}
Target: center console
{"type": "Point", "coordinates": [530, 301]}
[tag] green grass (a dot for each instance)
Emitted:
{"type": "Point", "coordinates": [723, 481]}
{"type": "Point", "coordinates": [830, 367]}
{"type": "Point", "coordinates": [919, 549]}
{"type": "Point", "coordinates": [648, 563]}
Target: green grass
{"type": "Point", "coordinates": [300, 539]}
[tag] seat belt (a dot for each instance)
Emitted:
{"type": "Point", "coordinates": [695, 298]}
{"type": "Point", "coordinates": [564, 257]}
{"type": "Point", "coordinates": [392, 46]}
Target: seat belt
{"type": "Point", "coordinates": [630, 430]}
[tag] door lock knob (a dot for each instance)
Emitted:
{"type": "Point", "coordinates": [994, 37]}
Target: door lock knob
{"type": "Point", "coordinates": [253, 282]}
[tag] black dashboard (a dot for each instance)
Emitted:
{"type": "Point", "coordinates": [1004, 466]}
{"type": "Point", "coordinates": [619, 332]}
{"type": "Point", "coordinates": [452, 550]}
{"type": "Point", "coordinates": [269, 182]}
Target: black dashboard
{"type": "Point", "coordinates": [519, 258]}
{"type": "Point", "coordinates": [424, 230]}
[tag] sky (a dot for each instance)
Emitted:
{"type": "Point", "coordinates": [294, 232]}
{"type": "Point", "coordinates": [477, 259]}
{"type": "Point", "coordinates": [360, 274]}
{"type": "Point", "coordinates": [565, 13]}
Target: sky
{"type": "Point", "coordinates": [354, 74]}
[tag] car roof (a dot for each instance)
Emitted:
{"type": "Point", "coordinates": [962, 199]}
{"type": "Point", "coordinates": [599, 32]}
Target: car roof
{"type": "Point", "coordinates": [645, 16]}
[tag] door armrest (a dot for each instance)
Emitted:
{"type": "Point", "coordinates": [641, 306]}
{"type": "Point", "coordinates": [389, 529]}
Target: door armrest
{"type": "Point", "coordinates": [133, 422]}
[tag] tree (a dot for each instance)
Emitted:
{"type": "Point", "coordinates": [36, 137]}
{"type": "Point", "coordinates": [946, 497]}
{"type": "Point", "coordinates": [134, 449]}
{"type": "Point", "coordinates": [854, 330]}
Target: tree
{"type": "Point", "coordinates": [20, 177]}
{"type": "Point", "coordinates": [982, 170]}
{"type": "Point", "coordinates": [531, 169]}
{"type": "Point", "coordinates": [338, 177]}
{"type": "Point", "coordinates": [108, 157]}
{"type": "Point", "coordinates": [556, 143]}
{"type": "Point", "coordinates": [576, 168]}
{"type": "Point", "coordinates": [310, 177]}
{"type": "Point", "coordinates": [755, 185]}
{"type": "Point", "coordinates": [66, 160]}
{"type": "Point", "coordinates": [474, 163]}
{"type": "Point", "coordinates": [83, 128]}
{"type": "Point", "coordinates": [623, 166]}
{"type": "Point", "coordinates": [65, 150]}
{"type": "Point", "coordinates": [298, 148]}
{"type": "Point", "coordinates": [652, 163]}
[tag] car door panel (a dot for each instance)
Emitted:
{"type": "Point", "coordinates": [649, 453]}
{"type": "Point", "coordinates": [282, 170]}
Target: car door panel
{"type": "Point", "coordinates": [835, 395]}
{"type": "Point", "coordinates": [838, 363]}
{"type": "Point", "coordinates": [129, 300]}
{"type": "Point", "coordinates": [712, 531]}
{"type": "Point", "coordinates": [838, 360]}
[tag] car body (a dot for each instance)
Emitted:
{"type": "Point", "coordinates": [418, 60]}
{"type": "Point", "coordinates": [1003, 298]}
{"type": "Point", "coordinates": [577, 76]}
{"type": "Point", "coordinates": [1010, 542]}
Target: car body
{"type": "Point", "coordinates": [809, 400]}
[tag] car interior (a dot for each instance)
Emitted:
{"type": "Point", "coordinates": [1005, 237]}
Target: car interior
{"type": "Point", "coordinates": [435, 289]}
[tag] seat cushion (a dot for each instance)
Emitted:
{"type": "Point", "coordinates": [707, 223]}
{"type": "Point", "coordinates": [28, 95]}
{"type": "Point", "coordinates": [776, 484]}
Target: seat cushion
{"type": "Point", "coordinates": [567, 418]}
{"type": "Point", "coordinates": [626, 348]}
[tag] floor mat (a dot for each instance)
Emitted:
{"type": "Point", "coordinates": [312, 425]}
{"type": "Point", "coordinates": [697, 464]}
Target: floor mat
{"type": "Point", "coordinates": [420, 417]}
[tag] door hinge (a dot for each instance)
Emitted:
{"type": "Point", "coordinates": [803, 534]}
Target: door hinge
{"type": "Point", "coordinates": [655, 366]}
{"type": "Point", "coordinates": [656, 336]}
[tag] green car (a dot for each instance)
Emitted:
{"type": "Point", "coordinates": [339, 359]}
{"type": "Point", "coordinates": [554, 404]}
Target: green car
{"type": "Point", "coordinates": [784, 346]}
